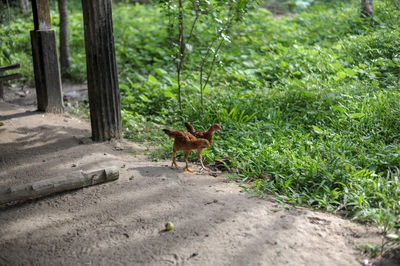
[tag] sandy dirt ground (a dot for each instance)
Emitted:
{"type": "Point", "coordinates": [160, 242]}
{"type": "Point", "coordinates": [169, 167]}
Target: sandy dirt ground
{"type": "Point", "coordinates": [122, 222]}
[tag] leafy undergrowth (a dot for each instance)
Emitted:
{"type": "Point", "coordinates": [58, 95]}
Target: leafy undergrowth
{"type": "Point", "coordinates": [309, 104]}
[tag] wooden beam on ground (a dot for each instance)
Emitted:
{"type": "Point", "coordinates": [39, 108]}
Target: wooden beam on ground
{"type": "Point", "coordinates": [8, 67]}
{"type": "Point", "coordinates": [10, 76]}
{"type": "Point", "coordinates": [57, 184]}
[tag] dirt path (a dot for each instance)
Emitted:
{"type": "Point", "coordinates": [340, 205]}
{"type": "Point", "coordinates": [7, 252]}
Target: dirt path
{"type": "Point", "coordinates": [122, 222]}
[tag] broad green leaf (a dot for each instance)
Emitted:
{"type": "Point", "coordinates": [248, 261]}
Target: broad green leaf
{"type": "Point", "coordinates": [169, 94]}
{"type": "Point", "coordinates": [350, 71]}
{"type": "Point", "coordinates": [340, 75]}
{"type": "Point", "coordinates": [152, 79]}
{"type": "Point", "coordinates": [356, 115]}
{"type": "Point", "coordinates": [337, 65]}
{"type": "Point", "coordinates": [318, 130]}
{"type": "Point", "coordinates": [143, 97]}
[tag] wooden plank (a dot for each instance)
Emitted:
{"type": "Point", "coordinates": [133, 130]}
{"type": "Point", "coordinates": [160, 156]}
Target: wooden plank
{"type": "Point", "coordinates": [8, 67]}
{"type": "Point", "coordinates": [10, 76]}
{"type": "Point", "coordinates": [57, 184]}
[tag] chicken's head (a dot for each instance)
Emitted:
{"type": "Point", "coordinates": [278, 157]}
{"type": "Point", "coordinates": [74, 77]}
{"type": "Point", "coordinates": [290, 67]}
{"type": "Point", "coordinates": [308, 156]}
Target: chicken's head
{"type": "Point", "coordinates": [203, 143]}
{"type": "Point", "coordinates": [216, 127]}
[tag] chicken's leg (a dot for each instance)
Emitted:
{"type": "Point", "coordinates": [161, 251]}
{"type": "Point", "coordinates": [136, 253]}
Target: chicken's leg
{"type": "Point", "coordinates": [174, 159]}
{"type": "Point", "coordinates": [187, 164]}
{"type": "Point", "coordinates": [199, 154]}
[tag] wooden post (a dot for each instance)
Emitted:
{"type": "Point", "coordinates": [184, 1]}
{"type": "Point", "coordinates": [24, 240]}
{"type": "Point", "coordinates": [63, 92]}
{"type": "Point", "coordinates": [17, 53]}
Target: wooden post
{"type": "Point", "coordinates": [45, 59]}
{"type": "Point", "coordinates": [1, 88]}
{"type": "Point", "coordinates": [102, 77]}
{"type": "Point", "coordinates": [367, 8]}
{"type": "Point", "coordinates": [41, 14]}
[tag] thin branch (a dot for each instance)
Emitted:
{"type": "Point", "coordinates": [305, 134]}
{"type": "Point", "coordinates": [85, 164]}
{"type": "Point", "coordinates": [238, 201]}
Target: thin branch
{"type": "Point", "coordinates": [197, 10]}
{"type": "Point", "coordinates": [191, 30]}
{"type": "Point", "coordinates": [181, 54]}
{"type": "Point", "coordinates": [213, 62]}
{"type": "Point", "coordinates": [218, 35]}
{"type": "Point", "coordinates": [203, 61]}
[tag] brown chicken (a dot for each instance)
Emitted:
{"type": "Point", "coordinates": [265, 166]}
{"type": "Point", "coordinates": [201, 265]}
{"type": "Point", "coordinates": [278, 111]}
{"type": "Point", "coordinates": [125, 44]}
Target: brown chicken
{"type": "Point", "coordinates": [208, 135]}
{"type": "Point", "coordinates": [184, 141]}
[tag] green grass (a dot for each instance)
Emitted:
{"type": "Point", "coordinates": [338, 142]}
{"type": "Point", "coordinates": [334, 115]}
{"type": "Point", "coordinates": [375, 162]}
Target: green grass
{"type": "Point", "coordinates": [309, 104]}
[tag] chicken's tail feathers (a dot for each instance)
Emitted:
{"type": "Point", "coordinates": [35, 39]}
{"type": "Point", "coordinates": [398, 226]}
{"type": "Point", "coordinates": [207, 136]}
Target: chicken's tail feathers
{"type": "Point", "coordinates": [170, 133]}
{"type": "Point", "coordinates": [189, 127]}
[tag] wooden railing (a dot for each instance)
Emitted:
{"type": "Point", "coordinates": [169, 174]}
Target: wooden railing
{"type": "Point", "coordinates": [8, 76]}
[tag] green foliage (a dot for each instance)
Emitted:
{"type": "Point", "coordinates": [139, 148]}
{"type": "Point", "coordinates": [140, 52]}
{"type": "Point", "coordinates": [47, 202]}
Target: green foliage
{"type": "Point", "coordinates": [201, 27]}
{"type": "Point", "coordinates": [315, 110]}
{"type": "Point", "coordinates": [15, 45]}
{"type": "Point", "coordinates": [309, 104]}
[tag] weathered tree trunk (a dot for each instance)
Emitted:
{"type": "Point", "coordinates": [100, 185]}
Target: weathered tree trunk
{"type": "Point", "coordinates": [45, 59]}
{"type": "Point", "coordinates": [367, 8]}
{"type": "Point", "coordinates": [23, 5]}
{"type": "Point", "coordinates": [57, 184]}
{"type": "Point", "coordinates": [102, 77]}
{"type": "Point", "coordinates": [64, 45]}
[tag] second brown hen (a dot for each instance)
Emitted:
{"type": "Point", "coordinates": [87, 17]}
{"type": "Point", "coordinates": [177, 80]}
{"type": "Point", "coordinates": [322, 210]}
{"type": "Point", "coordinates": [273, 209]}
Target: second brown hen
{"type": "Point", "coordinates": [184, 141]}
{"type": "Point", "coordinates": [203, 134]}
